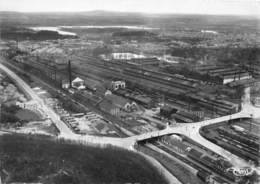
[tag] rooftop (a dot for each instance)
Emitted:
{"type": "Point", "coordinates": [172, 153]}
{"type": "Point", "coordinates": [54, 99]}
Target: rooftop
{"type": "Point", "coordinates": [77, 79]}
{"type": "Point", "coordinates": [117, 100]}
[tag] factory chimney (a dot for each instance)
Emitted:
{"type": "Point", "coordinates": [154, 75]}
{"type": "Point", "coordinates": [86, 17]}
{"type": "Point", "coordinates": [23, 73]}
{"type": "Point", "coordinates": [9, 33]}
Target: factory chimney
{"type": "Point", "coordinates": [69, 70]}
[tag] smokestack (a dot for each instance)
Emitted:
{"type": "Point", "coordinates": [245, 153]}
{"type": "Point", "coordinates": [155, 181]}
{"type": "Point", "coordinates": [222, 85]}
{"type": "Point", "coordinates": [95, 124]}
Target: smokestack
{"type": "Point", "coordinates": [69, 70]}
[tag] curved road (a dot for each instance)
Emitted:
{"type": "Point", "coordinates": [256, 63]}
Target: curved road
{"type": "Point", "coordinates": [67, 133]}
{"type": "Point", "coordinates": [190, 130]}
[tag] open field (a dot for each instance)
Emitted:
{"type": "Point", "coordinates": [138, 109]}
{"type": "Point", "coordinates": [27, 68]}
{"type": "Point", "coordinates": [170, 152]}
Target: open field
{"type": "Point", "coordinates": [41, 159]}
{"type": "Point", "coordinates": [27, 115]}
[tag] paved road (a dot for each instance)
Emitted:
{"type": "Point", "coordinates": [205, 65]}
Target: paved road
{"type": "Point", "coordinates": [49, 112]}
{"type": "Point", "coordinates": [190, 130]}
{"type": "Point", "coordinates": [65, 131]}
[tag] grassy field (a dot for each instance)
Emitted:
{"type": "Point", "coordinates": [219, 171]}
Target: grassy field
{"type": "Point", "coordinates": [41, 159]}
{"type": "Point", "coordinates": [27, 115]}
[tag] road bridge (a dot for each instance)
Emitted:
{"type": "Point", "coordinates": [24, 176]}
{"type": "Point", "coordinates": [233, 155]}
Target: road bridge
{"type": "Point", "coordinates": [189, 127]}
{"type": "Point", "coordinates": [191, 130]}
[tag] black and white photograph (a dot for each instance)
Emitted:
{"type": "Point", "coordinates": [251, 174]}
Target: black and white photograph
{"type": "Point", "coordinates": [129, 91]}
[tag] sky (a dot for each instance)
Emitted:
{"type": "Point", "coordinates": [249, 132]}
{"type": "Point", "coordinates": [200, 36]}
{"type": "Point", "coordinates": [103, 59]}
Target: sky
{"type": "Point", "coordinates": [219, 7]}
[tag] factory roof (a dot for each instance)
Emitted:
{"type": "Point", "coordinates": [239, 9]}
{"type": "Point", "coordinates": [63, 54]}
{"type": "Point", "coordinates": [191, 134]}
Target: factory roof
{"type": "Point", "coordinates": [117, 100]}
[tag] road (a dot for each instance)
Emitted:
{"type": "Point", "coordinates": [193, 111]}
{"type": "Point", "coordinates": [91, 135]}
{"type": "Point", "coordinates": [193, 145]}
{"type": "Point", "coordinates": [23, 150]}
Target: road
{"type": "Point", "coordinates": [65, 131]}
{"type": "Point", "coordinates": [34, 97]}
{"type": "Point", "coordinates": [190, 130]}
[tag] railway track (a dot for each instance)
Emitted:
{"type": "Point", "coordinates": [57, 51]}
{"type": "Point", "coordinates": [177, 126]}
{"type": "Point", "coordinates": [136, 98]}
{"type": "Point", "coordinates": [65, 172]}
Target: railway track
{"type": "Point", "coordinates": [168, 83]}
{"type": "Point", "coordinates": [197, 166]}
{"type": "Point", "coordinates": [125, 65]}
{"type": "Point", "coordinates": [129, 72]}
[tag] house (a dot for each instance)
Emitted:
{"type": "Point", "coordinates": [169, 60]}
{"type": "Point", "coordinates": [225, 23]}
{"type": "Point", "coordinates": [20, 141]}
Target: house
{"type": "Point", "coordinates": [115, 85]}
{"type": "Point", "coordinates": [78, 83]}
{"type": "Point", "coordinates": [121, 102]}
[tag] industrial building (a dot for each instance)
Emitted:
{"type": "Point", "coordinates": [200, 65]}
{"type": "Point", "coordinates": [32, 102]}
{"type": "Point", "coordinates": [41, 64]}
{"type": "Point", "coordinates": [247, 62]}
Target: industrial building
{"type": "Point", "coordinates": [224, 74]}
{"type": "Point", "coordinates": [121, 103]}
{"type": "Point", "coordinates": [125, 56]}
{"type": "Point", "coordinates": [144, 61]}
{"type": "Point", "coordinates": [235, 77]}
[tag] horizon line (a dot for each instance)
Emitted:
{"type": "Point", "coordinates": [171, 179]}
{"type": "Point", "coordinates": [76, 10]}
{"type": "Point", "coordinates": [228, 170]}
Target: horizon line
{"type": "Point", "coordinates": [133, 12]}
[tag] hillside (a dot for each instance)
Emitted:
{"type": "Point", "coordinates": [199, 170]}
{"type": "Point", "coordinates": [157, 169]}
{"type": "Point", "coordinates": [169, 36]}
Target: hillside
{"type": "Point", "coordinates": [26, 158]}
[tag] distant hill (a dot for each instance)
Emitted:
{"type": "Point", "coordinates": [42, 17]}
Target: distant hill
{"type": "Point", "coordinates": [167, 21]}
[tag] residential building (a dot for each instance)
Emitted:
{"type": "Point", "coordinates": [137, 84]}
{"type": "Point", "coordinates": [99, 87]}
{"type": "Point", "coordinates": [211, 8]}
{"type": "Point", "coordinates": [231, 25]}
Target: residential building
{"type": "Point", "coordinates": [115, 85]}
{"type": "Point", "coordinates": [78, 83]}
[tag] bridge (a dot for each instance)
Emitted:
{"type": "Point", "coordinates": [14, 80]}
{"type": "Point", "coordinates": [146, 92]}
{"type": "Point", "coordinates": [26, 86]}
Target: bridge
{"type": "Point", "coordinates": [190, 130]}
{"type": "Point", "coordinates": [189, 127]}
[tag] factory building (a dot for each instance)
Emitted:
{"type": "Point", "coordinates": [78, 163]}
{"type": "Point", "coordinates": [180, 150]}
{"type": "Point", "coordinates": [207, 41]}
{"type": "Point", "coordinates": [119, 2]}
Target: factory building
{"type": "Point", "coordinates": [116, 105]}
{"type": "Point", "coordinates": [224, 74]}
{"type": "Point", "coordinates": [109, 108]}
{"type": "Point", "coordinates": [125, 56]}
{"type": "Point", "coordinates": [235, 77]}
{"type": "Point", "coordinates": [145, 61]}
{"type": "Point", "coordinates": [120, 102]}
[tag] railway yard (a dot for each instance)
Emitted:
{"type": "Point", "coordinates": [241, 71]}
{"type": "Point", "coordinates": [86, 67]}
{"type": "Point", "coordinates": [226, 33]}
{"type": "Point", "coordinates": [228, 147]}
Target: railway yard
{"type": "Point", "coordinates": [104, 96]}
{"type": "Point", "coordinates": [241, 141]}
{"type": "Point", "coordinates": [182, 95]}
